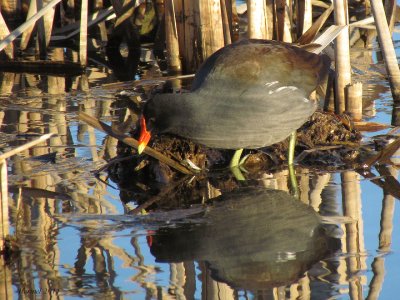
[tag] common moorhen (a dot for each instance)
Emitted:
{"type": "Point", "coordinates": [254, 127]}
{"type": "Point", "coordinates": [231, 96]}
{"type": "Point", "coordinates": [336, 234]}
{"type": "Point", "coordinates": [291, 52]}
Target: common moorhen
{"type": "Point", "coordinates": [249, 94]}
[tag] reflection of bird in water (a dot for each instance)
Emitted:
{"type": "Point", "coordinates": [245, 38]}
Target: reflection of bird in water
{"type": "Point", "coordinates": [251, 238]}
{"type": "Point", "coordinates": [250, 94]}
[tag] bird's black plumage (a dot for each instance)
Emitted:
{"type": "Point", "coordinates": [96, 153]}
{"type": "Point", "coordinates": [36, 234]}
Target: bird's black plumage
{"type": "Point", "coordinates": [249, 94]}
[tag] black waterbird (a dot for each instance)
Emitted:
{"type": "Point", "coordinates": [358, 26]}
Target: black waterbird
{"type": "Point", "coordinates": [249, 94]}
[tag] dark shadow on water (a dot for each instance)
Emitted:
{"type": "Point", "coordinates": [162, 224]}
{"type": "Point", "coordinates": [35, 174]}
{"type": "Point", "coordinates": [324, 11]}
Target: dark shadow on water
{"type": "Point", "coordinates": [124, 68]}
{"type": "Point", "coordinates": [253, 239]}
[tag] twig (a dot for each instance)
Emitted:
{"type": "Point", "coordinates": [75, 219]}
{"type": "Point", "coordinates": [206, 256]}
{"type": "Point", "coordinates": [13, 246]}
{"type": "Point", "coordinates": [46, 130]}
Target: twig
{"type": "Point", "coordinates": [148, 81]}
{"type": "Point", "coordinates": [390, 185]}
{"type": "Point", "coordinates": [132, 142]}
{"type": "Point", "coordinates": [383, 155]}
{"type": "Point", "coordinates": [112, 162]}
{"type": "Point", "coordinates": [25, 146]}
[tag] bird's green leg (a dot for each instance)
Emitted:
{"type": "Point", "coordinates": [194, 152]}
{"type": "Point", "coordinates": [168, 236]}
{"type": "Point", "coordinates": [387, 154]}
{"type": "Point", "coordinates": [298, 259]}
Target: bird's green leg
{"type": "Point", "coordinates": [292, 175]}
{"type": "Point", "coordinates": [235, 163]}
{"type": "Point", "coordinates": [292, 145]}
{"type": "Point", "coordinates": [236, 158]}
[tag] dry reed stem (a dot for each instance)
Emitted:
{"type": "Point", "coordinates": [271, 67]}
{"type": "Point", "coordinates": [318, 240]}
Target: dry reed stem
{"type": "Point", "coordinates": [83, 33]}
{"type": "Point", "coordinates": [45, 26]}
{"type": "Point", "coordinates": [74, 28]}
{"type": "Point", "coordinates": [370, 126]}
{"type": "Point", "coordinates": [363, 22]}
{"type": "Point", "coordinates": [304, 16]}
{"type": "Point", "coordinates": [225, 23]}
{"type": "Point", "coordinates": [132, 142]}
{"type": "Point", "coordinates": [20, 29]}
{"type": "Point", "coordinates": [144, 82]}
{"type": "Point", "coordinates": [9, 50]}
{"type": "Point", "coordinates": [342, 55]}
{"type": "Point", "coordinates": [390, 185]}
{"type": "Point", "coordinates": [384, 155]}
{"type": "Point", "coordinates": [354, 100]}
{"type": "Point", "coordinates": [210, 25]}
{"type": "Point", "coordinates": [353, 237]}
{"type": "Point", "coordinates": [390, 12]}
{"type": "Point", "coordinates": [124, 11]}
{"type": "Point", "coordinates": [257, 20]}
{"type": "Point", "coordinates": [3, 203]}
{"type": "Point", "coordinates": [312, 32]}
{"type": "Point", "coordinates": [270, 18]}
{"type": "Point", "coordinates": [387, 214]}
{"type": "Point", "coordinates": [26, 35]}
{"type": "Point", "coordinates": [171, 37]}
{"type": "Point", "coordinates": [307, 22]}
{"type": "Point", "coordinates": [327, 37]}
{"type": "Point", "coordinates": [188, 35]}
{"type": "Point", "coordinates": [283, 20]}
{"type": "Point", "coordinates": [386, 44]}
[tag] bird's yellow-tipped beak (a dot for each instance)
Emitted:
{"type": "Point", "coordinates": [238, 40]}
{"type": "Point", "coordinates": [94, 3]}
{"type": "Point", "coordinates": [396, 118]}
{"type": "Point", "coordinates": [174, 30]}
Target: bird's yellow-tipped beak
{"type": "Point", "coordinates": [144, 137]}
{"type": "Point", "coordinates": [141, 148]}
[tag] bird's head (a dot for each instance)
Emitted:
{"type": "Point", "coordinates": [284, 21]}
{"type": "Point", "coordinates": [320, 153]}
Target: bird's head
{"type": "Point", "coordinates": [155, 119]}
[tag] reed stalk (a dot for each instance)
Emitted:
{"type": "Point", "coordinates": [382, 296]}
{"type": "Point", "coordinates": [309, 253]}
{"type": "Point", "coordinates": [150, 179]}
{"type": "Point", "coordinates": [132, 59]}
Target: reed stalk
{"type": "Point", "coordinates": [3, 203]}
{"type": "Point", "coordinates": [26, 35]}
{"type": "Point", "coordinates": [171, 37]}
{"type": "Point", "coordinates": [257, 23]}
{"type": "Point", "coordinates": [20, 29]}
{"type": "Point", "coordinates": [44, 26]}
{"type": "Point", "coordinates": [83, 33]}
{"type": "Point", "coordinates": [210, 25]}
{"type": "Point", "coordinates": [342, 56]}
{"type": "Point", "coordinates": [354, 100]}
{"type": "Point", "coordinates": [354, 233]}
{"type": "Point", "coordinates": [271, 19]}
{"type": "Point", "coordinates": [390, 11]}
{"type": "Point", "coordinates": [304, 16]}
{"type": "Point", "coordinates": [284, 22]}
{"type": "Point", "coordinates": [386, 44]}
{"type": "Point", "coordinates": [225, 23]}
{"type": "Point", "coordinates": [9, 50]}
{"type": "Point", "coordinates": [187, 26]}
